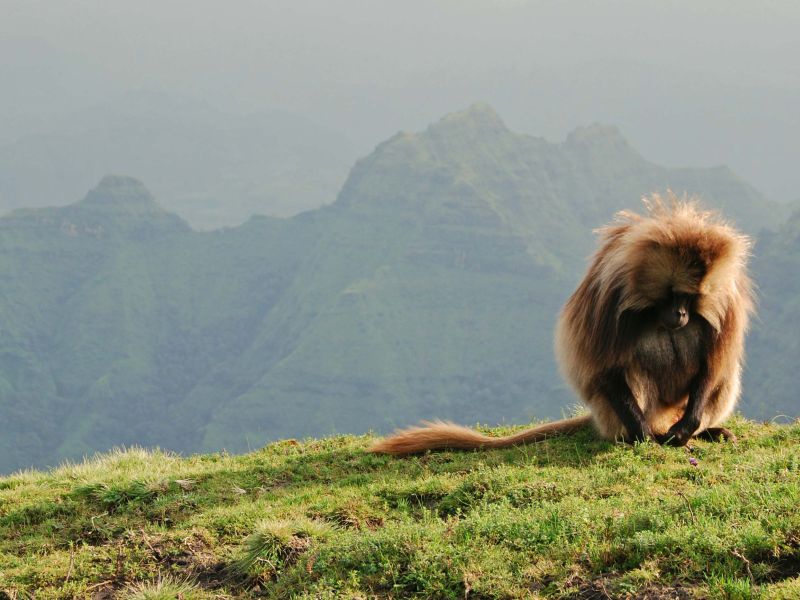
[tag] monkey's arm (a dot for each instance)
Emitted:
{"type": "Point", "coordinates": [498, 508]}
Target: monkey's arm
{"type": "Point", "coordinates": [699, 392]}
{"type": "Point", "coordinates": [613, 387]}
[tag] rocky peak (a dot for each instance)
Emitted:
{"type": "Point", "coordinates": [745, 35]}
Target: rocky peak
{"type": "Point", "coordinates": [122, 204]}
{"type": "Point", "coordinates": [479, 118]}
{"type": "Point", "coordinates": [121, 191]}
{"type": "Point", "coordinates": [597, 139]}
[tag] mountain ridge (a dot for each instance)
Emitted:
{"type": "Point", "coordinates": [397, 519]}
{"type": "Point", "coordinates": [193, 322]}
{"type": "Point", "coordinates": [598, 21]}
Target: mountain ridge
{"type": "Point", "coordinates": [116, 205]}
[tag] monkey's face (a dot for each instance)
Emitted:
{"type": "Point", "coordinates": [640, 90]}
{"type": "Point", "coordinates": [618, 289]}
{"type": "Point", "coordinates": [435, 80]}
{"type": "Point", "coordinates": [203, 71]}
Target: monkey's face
{"type": "Point", "coordinates": [665, 283]}
{"type": "Point", "coordinates": [673, 313]}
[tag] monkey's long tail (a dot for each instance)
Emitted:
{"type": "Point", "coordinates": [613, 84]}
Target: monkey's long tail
{"type": "Point", "coordinates": [437, 435]}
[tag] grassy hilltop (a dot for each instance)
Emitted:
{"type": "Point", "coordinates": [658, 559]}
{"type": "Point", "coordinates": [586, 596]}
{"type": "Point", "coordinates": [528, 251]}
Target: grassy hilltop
{"type": "Point", "coordinates": [569, 518]}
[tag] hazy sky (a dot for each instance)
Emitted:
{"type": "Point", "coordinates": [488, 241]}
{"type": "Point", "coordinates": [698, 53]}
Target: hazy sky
{"type": "Point", "coordinates": [689, 83]}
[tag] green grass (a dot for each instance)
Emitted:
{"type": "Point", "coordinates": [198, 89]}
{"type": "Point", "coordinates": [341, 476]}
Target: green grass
{"type": "Point", "coordinates": [569, 518]}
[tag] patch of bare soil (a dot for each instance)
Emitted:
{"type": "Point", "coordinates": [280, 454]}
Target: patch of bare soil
{"type": "Point", "coordinates": [603, 588]}
{"type": "Point", "coordinates": [192, 556]}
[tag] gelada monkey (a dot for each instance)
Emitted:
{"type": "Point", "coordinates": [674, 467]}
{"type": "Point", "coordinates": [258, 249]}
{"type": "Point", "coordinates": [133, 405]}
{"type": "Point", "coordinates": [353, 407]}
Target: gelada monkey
{"type": "Point", "coordinates": [652, 339]}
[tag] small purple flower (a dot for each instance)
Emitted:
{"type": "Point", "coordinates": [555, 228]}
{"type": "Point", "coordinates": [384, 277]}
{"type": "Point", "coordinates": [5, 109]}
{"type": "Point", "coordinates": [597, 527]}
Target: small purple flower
{"type": "Point", "coordinates": [693, 461]}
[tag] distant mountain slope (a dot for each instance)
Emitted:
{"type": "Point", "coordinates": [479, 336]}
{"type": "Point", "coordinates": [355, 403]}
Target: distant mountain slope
{"type": "Point", "coordinates": [774, 344]}
{"type": "Point", "coordinates": [428, 289]}
{"type": "Point", "coordinates": [212, 168]}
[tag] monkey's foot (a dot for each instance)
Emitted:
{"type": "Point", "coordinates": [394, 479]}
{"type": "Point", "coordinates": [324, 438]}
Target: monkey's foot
{"type": "Point", "coordinates": [673, 439]}
{"type": "Point", "coordinates": [677, 436]}
{"type": "Point", "coordinates": [717, 434]}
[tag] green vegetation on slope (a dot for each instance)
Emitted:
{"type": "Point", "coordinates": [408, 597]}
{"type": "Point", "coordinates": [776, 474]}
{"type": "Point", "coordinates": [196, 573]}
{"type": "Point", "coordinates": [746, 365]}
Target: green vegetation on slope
{"type": "Point", "coordinates": [573, 517]}
{"type": "Point", "coordinates": [774, 344]}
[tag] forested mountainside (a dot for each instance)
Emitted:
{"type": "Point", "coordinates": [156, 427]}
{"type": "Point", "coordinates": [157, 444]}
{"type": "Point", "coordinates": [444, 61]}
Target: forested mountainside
{"type": "Point", "coordinates": [428, 289]}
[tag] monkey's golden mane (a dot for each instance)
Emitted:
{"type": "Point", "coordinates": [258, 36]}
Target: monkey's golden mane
{"type": "Point", "coordinates": [675, 245]}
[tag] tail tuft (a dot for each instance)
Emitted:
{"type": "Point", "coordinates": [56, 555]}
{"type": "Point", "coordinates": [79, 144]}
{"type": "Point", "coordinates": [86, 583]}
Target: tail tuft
{"type": "Point", "coordinates": [438, 435]}
{"type": "Point", "coordinates": [432, 435]}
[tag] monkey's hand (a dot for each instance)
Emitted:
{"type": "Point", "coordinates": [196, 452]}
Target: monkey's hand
{"type": "Point", "coordinates": [679, 434]}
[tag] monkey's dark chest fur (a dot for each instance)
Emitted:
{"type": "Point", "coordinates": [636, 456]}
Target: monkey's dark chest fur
{"type": "Point", "coordinates": [670, 359]}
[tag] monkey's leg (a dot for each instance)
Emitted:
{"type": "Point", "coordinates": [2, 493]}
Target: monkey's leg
{"type": "Point", "coordinates": [614, 389]}
{"type": "Point", "coordinates": [680, 433]}
{"type": "Point", "coordinates": [717, 434]}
